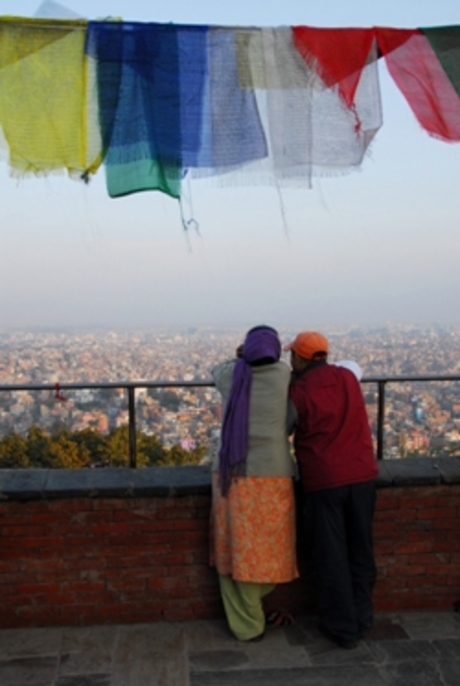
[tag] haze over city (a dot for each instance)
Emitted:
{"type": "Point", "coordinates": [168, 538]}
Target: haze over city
{"type": "Point", "coordinates": [372, 247]}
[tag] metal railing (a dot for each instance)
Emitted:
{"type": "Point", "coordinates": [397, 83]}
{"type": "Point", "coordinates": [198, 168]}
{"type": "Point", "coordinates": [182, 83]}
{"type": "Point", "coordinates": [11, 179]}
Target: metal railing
{"type": "Point", "coordinates": [131, 386]}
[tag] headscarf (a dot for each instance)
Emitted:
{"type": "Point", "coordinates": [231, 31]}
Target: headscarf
{"type": "Point", "coordinates": [261, 343]}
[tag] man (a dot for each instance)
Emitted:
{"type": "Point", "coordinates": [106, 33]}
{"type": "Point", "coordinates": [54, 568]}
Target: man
{"type": "Point", "coordinates": [333, 447]}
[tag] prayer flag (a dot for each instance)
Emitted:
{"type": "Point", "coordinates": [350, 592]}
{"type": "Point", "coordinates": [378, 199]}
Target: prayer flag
{"type": "Point", "coordinates": [45, 88]}
{"type": "Point", "coordinates": [425, 65]}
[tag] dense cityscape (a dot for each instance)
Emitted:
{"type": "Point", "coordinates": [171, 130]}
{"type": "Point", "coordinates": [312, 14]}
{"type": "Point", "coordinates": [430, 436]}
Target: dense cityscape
{"type": "Point", "coordinates": [421, 418]}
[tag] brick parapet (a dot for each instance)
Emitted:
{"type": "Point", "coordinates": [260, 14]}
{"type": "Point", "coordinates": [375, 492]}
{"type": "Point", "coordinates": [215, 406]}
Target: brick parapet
{"type": "Point", "coordinates": [126, 546]}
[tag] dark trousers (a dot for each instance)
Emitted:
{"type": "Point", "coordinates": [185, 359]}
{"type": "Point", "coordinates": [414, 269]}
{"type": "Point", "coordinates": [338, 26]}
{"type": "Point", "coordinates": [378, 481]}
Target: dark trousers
{"type": "Point", "coordinates": [338, 526]}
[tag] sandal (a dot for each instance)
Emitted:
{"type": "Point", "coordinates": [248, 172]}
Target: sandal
{"type": "Point", "coordinates": [254, 639]}
{"type": "Point", "coordinates": [278, 618]}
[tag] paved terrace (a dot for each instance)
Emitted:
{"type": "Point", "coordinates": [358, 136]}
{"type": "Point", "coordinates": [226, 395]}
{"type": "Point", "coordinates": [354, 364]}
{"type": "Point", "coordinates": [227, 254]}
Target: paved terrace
{"type": "Point", "coordinates": [404, 649]}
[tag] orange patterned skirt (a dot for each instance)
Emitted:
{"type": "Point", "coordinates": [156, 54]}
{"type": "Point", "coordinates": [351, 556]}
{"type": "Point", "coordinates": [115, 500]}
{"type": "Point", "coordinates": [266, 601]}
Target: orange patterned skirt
{"type": "Point", "coordinates": [253, 535]}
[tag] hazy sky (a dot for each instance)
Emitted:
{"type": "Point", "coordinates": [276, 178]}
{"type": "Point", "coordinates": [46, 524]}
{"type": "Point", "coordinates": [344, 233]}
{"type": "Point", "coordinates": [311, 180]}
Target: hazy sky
{"type": "Point", "coordinates": [376, 246]}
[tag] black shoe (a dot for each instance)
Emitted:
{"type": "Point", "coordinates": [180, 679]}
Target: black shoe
{"type": "Point", "coordinates": [365, 629]}
{"type": "Point", "coordinates": [346, 643]}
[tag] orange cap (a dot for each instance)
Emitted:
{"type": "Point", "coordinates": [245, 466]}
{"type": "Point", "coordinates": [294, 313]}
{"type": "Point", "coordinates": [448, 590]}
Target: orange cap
{"type": "Point", "coordinates": [307, 344]}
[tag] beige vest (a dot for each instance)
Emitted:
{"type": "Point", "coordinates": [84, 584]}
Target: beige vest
{"type": "Point", "coordinates": [269, 451]}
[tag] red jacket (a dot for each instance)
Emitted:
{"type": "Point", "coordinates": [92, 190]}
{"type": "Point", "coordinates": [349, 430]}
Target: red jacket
{"type": "Point", "coordinates": [332, 441]}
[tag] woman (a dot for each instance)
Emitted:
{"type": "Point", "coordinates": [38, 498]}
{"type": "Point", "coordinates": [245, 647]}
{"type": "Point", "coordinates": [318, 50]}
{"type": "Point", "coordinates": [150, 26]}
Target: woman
{"type": "Point", "coordinates": [253, 513]}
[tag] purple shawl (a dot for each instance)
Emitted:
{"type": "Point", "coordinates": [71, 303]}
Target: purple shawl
{"type": "Point", "coordinates": [261, 342]}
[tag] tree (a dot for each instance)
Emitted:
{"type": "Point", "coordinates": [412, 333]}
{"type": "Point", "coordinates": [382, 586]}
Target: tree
{"type": "Point", "coordinates": [150, 450]}
{"type": "Point", "coordinates": [66, 450]}
{"type": "Point", "coordinates": [177, 456]}
{"type": "Point", "coordinates": [65, 453]}
{"type": "Point", "coordinates": [38, 447]}
{"type": "Point", "coordinates": [116, 449]}
{"type": "Point", "coordinates": [94, 443]}
{"type": "Point", "coordinates": [13, 452]}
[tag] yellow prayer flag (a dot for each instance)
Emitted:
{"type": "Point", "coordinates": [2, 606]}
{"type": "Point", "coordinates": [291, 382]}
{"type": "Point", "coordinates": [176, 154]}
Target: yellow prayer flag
{"type": "Point", "coordinates": [48, 97]}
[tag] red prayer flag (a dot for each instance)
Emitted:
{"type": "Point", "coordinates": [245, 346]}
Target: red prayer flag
{"type": "Point", "coordinates": [339, 55]}
{"type": "Point", "coordinates": [418, 73]}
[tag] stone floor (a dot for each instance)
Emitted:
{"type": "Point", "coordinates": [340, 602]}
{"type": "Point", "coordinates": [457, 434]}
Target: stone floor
{"type": "Point", "coordinates": [404, 649]}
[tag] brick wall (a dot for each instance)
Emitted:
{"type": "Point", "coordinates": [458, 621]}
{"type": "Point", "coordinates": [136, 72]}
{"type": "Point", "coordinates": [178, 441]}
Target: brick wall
{"type": "Point", "coordinates": [417, 545]}
{"type": "Point", "coordinates": [95, 561]}
{"type": "Point", "coordinates": [79, 548]}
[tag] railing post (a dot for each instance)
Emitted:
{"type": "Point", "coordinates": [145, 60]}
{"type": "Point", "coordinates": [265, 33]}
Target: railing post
{"type": "Point", "coordinates": [380, 418]}
{"type": "Point", "coordinates": [132, 428]}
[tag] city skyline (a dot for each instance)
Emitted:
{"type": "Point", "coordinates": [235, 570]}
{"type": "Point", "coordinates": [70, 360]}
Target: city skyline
{"type": "Point", "coordinates": [420, 416]}
{"type": "Point", "coordinates": [373, 247]}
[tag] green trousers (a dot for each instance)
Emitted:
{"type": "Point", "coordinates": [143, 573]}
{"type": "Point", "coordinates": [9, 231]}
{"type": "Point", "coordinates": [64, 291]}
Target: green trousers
{"type": "Point", "coordinates": [243, 606]}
